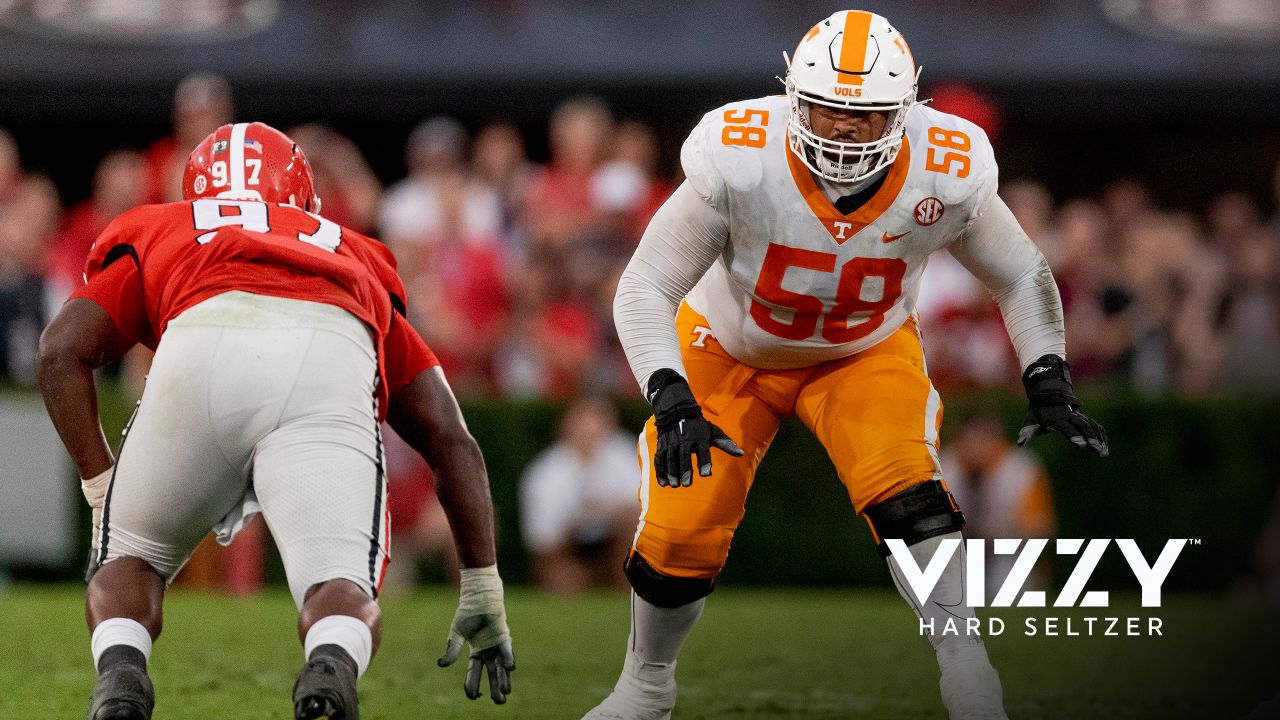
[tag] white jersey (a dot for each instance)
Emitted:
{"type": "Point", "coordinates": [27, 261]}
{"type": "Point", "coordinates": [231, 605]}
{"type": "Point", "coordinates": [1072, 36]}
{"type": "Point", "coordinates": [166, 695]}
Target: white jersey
{"type": "Point", "coordinates": [799, 282]}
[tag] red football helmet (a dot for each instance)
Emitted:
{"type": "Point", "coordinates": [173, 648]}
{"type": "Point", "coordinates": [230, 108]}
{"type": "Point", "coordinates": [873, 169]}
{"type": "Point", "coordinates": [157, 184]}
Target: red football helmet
{"type": "Point", "coordinates": [250, 161]}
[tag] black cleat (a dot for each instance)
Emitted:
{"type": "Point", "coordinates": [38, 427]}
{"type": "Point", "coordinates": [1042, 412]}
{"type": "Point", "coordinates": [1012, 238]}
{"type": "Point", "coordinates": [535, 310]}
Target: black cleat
{"type": "Point", "coordinates": [326, 687]}
{"type": "Point", "coordinates": [123, 690]}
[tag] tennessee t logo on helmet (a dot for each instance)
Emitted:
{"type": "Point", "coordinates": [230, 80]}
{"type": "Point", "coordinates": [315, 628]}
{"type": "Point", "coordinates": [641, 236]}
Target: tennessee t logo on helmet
{"type": "Point", "coordinates": [250, 161]}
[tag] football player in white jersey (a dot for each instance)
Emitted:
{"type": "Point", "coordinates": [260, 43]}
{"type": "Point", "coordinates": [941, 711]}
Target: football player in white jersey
{"type": "Point", "coordinates": [791, 259]}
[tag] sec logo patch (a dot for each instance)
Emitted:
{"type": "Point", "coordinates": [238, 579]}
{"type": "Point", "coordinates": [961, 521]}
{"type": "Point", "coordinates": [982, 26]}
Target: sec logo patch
{"type": "Point", "coordinates": [200, 184]}
{"type": "Point", "coordinates": [929, 211]}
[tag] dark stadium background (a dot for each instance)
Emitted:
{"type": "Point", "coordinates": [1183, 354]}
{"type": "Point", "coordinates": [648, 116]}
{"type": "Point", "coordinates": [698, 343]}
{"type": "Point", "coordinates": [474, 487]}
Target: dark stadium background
{"type": "Point", "coordinates": [1088, 93]}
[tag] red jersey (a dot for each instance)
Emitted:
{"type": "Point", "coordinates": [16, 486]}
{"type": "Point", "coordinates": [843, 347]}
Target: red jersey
{"type": "Point", "coordinates": [156, 261]}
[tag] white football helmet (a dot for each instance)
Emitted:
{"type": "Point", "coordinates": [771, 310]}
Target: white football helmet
{"type": "Point", "coordinates": [853, 59]}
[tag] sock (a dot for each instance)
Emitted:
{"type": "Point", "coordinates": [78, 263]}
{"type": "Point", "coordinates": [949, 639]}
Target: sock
{"type": "Point", "coordinates": [657, 633]}
{"type": "Point", "coordinates": [346, 632]}
{"type": "Point", "coordinates": [970, 687]}
{"type": "Point", "coordinates": [946, 602]}
{"type": "Point", "coordinates": [120, 631]}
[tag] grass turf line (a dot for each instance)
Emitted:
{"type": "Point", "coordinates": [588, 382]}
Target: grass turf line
{"type": "Point", "coordinates": [755, 654]}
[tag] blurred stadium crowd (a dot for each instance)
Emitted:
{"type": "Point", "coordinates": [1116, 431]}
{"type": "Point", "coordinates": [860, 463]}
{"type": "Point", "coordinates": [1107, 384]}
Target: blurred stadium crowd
{"type": "Point", "coordinates": [511, 264]}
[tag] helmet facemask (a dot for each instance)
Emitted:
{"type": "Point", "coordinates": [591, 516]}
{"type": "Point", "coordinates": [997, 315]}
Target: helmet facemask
{"type": "Point", "coordinates": [845, 162]}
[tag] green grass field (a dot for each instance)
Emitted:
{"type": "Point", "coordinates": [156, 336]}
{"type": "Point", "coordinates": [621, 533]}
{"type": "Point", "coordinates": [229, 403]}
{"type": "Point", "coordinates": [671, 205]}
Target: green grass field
{"type": "Point", "coordinates": [756, 654]}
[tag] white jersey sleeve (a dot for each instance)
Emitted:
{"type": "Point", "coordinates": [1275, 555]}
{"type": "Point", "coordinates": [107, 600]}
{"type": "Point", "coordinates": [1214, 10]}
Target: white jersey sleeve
{"type": "Point", "coordinates": [996, 250]}
{"type": "Point", "coordinates": [683, 239]}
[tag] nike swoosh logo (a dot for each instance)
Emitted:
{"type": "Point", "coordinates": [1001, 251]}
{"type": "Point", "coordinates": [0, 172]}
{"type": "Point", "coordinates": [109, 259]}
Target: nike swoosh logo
{"type": "Point", "coordinates": [886, 237]}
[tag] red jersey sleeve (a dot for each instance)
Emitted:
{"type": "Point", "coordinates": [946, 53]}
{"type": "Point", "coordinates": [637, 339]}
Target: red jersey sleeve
{"type": "Point", "coordinates": [118, 290]}
{"type": "Point", "coordinates": [405, 354]}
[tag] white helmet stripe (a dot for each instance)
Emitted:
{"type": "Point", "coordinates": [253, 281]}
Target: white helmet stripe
{"type": "Point", "coordinates": [237, 157]}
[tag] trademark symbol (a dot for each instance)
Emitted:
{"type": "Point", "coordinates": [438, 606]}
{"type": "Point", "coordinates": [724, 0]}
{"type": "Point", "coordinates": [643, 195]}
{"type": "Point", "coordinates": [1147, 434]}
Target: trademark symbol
{"type": "Point", "coordinates": [1193, 541]}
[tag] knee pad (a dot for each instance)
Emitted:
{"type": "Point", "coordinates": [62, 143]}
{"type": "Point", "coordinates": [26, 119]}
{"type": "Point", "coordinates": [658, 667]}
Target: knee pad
{"type": "Point", "coordinates": [664, 591]}
{"type": "Point", "coordinates": [918, 513]}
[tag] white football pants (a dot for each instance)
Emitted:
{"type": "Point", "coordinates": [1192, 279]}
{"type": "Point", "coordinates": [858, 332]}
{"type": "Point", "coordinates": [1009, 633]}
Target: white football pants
{"type": "Point", "coordinates": [256, 402]}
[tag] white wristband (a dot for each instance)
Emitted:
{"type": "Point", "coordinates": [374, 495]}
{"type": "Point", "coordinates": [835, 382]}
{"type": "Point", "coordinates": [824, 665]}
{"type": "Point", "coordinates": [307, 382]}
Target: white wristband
{"type": "Point", "coordinates": [95, 488]}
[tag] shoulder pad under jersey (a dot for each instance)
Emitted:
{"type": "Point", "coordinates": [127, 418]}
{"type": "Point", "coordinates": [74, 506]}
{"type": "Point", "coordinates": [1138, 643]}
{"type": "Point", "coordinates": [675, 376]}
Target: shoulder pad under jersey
{"type": "Point", "coordinates": [966, 183]}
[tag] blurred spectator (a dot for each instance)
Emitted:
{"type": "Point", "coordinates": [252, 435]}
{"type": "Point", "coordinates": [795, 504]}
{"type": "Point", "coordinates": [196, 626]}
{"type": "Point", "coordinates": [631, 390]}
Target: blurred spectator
{"type": "Point", "coordinates": [555, 340]}
{"type": "Point", "coordinates": [201, 104]}
{"type": "Point", "coordinates": [578, 501]}
{"type": "Point", "coordinates": [10, 168]}
{"type": "Point", "coordinates": [1031, 204]}
{"type": "Point", "coordinates": [619, 197]}
{"type": "Point", "coordinates": [1125, 200]}
{"type": "Point", "coordinates": [1086, 267]}
{"type": "Point", "coordinates": [1002, 490]}
{"type": "Point", "coordinates": [349, 192]}
{"type": "Point", "coordinates": [971, 104]}
{"type": "Point", "coordinates": [635, 146]}
{"type": "Point", "coordinates": [559, 205]}
{"type": "Point", "coordinates": [413, 210]}
{"type": "Point", "coordinates": [498, 160]}
{"type": "Point", "coordinates": [28, 224]}
{"type": "Point", "coordinates": [457, 292]}
{"type": "Point", "coordinates": [119, 184]}
{"type": "Point", "coordinates": [1250, 329]}
{"type": "Point", "coordinates": [1175, 287]}
{"type": "Point", "coordinates": [1230, 217]}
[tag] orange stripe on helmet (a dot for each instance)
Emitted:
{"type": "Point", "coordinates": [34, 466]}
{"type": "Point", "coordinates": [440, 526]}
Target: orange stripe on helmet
{"type": "Point", "coordinates": [853, 46]}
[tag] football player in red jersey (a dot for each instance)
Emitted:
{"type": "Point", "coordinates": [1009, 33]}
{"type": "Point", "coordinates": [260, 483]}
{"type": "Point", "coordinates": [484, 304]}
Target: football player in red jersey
{"type": "Point", "coordinates": [280, 343]}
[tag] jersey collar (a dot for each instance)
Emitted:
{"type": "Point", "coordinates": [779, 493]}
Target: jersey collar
{"type": "Point", "coordinates": [840, 225]}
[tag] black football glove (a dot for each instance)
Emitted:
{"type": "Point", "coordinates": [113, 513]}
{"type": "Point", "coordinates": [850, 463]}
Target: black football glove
{"type": "Point", "coordinates": [682, 431]}
{"type": "Point", "coordinates": [1054, 406]}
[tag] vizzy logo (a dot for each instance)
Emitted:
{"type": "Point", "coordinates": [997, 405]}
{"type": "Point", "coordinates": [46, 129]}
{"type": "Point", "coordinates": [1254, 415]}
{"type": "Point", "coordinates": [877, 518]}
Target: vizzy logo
{"type": "Point", "coordinates": [922, 581]}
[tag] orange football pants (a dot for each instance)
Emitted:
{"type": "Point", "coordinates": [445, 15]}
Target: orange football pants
{"type": "Point", "coordinates": [875, 412]}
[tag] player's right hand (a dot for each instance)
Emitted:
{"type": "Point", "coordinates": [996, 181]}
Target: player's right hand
{"type": "Point", "coordinates": [1053, 406]}
{"type": "Point", "coordinates": [95, 493]}
{"type": "Point", "coordinates": [481, 622]}
{"type": "Point", "coordinates": [682, 431]}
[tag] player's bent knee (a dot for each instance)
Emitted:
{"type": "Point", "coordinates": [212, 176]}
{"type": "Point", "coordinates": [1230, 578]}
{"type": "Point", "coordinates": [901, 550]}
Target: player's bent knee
{"type": "Point", "coordinates": [664, 590]}
{"type": "Point", "coordinates": [916, 514]}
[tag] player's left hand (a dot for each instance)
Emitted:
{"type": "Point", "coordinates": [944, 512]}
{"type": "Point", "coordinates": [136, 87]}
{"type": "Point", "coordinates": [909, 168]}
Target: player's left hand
{"type": "Point", "coordinates": [481, 621]}
{"type": "Point", "coordinates": [1054, 406]}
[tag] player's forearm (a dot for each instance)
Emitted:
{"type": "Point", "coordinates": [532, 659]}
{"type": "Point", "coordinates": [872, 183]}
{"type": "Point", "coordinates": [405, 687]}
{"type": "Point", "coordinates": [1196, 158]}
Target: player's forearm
{"type": "Point", "coordinates": [682, 241]}
{"type": "Point", "coordinates": [643, 317]}
{"type": "Point", "coordinates": [462, 485]}
{"type": "Point", "coordinates": [997, 251]}
{"type": "Point", "coordinates": [1032, 312]}
{"type": "Point", "coordinates": [66, 382]}
{"type": "Point", "coordinates": [426, 415]}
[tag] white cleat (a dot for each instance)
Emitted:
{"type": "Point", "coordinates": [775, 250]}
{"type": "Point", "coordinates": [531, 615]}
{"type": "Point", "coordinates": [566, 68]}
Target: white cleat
{"type": "Point", "coordinates": [971, 691]}
{"type": "Point", "coordinates": [644, 691]}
